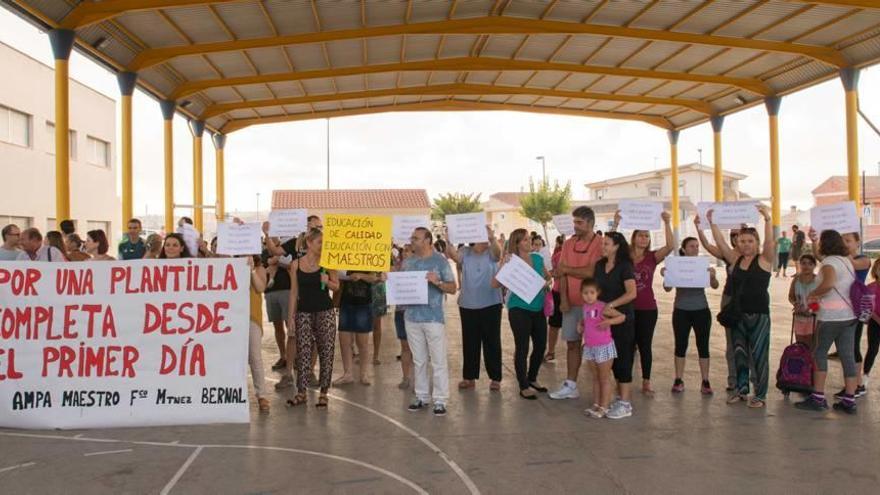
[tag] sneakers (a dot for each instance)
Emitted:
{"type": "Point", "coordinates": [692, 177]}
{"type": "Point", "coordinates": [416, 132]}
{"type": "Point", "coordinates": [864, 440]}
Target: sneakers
{"type": "Point", "coordinates": [619, 410]}
{"type": "Point", "coordinates": [860, 392]}
{"type": "Point", "coordinates": [678, 386]}
{"type": "Point", "coordinates": [279, 365]}
{"type": "Point", "coordinates": [812, 403]}
{"type": "Point", "coordinates": [568, 390]}
{"type": "Point", "coordinates": [846, 406]}
{"type": "Point", "coordinates": [285, 382]}
{"type": "Point", "coordinates": [706, 388]}
{"type": "Point", "coordinates": [439, 409]}
{"type": "Point", "coordinates": [416, 405]}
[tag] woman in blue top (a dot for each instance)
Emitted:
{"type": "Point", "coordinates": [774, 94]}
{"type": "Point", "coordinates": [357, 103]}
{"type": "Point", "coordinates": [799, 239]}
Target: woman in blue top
{"type": "Point", "coordinates": [526, 318]}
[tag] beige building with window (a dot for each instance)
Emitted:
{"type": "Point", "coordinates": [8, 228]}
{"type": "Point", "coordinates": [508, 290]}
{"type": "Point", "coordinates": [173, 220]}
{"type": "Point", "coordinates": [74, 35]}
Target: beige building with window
{"type": "Point", "coordinates": [27, 150]}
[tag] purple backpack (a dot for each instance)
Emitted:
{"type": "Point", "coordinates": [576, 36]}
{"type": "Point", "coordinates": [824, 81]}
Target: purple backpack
{"type": "Point", "coordinates": [795, 372]}
{"type": "Point", "coordinates": [863, 300]}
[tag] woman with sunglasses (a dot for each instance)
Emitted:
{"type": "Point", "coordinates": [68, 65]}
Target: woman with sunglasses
{"type": "Point", "coordinates": [645, 261]}
{"type": "Point", "coordinates": [750, 281]}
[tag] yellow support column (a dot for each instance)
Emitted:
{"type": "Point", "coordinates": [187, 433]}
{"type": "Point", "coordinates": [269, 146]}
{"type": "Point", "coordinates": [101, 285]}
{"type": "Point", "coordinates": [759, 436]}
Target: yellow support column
{"type": "Point", "coordinates": [127, 82]}
{"type": "Point", "coordinates": [219, 145]}
{"type": "Point", "coordinates": [197, 127]}
{"type": "Point", "coordinates": [673, 177]}
{"type": "Point", "coordinates": [717, 124]}
{"type": "Point", "coordinates": [772, 103]}
{"type": "Point", "coordinates": [850, 79]}
{"type": "Point", "coordinates": [168, 119]}
{"type": "Point", "coordinates": [62, 43]}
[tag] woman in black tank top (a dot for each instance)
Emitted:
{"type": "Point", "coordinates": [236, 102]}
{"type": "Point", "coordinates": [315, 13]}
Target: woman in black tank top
{"type": "Point", "coordinates": [313, 318]}
{"type": "Point", "coordinates": [748, 285]}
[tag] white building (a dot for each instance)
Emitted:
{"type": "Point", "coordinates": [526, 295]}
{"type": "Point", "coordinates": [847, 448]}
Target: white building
{"type": "Point", "coordinates": [696, 183]}
{"type": "Point", "coordinates": [27, 150]}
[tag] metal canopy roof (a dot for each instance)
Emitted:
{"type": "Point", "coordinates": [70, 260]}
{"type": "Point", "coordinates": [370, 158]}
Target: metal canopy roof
{"type": "Point", "coordinates": [670, 63]}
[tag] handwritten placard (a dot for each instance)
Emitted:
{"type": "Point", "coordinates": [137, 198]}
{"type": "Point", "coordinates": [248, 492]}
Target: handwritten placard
{"type": "Point", "coordinates": [564, 224]}
{"type": "Point", "coordinates": [729, 214]}
{"type": "Point", "coordinates": [466, 228]}
{"type": "Point", "coordinates": [838, 216]}
{"type": "Point", "coordinates": [520, 278]}
{"type": "Point", "coordinates": [640, 215]}
{"type": "Point", "coordinates": [404, 225]}
{"type": "Point", "coordinates": [357, 242]}
{"type": "Point", "coordinates": [235, 239]}
{"type": "Point", "coordinates": [190, 238]}
{"type": "Point", "coordinates": [407, 288]}
{"type": "Point", "coordinates": [288, 223]}
{"type": "Point", "coordinates": [686, 271]}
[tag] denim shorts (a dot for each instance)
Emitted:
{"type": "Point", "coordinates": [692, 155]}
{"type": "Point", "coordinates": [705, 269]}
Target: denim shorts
{"type": "Point", "coordinates": [400, 325]}
{"type": "Point", "coordinates": [357, 318]}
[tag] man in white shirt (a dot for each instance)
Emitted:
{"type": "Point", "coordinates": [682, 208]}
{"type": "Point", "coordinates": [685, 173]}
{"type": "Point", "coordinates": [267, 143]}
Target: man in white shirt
{"type": "Point", "coordinates": [11, 236]}
{"type": "Point", "coordinates": [34, 250]}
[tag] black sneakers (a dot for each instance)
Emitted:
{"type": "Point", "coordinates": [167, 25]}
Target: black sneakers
{"type": "Point", "coordinates": [416, 405]}
{"type": "Point", "coordinates": [846, 406]}
{"type": "Point", "coordinates": [860, 392]}
{"type": "Point", "coordinates": [811, 403]}
{"type": "Point", "coordinates": [439, 410]}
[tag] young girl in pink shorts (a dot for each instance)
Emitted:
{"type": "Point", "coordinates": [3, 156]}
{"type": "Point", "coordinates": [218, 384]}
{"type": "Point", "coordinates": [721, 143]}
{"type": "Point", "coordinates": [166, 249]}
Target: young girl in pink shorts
{"type": "Point", "coordinates": [599, 350]}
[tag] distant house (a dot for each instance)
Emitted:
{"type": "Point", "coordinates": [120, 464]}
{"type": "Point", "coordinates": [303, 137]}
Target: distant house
{"type": "Point", "coordinates": [835, 189]}
{"type": "Point", "coordinates": [502, 213]}
{"type": "Point", "coordinates": [355, 201]}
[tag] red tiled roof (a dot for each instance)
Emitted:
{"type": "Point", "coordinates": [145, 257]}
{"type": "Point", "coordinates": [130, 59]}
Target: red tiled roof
{"type": "Point", "coordinates": [838, 184]}
{"type": "Point", "coordinates": [353, 199]}
{"type": "Point", "coordinates": [511, 198]}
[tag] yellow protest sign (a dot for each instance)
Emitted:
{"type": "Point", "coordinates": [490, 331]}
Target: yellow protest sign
{"type": "Point", "coordinates": [357, 242]}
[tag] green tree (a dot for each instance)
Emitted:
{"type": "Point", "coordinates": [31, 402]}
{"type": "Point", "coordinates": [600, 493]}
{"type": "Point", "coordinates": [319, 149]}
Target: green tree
{"type": "Point", "coordinates": [454, 203]}
{"type": "Point", "coordinates": [543, 201]}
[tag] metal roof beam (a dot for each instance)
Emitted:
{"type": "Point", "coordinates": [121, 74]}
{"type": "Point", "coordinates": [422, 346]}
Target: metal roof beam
{"type": "Point", "coordinates": [489, 25]}
{"type": "Point", "coordinates": [452, 90]}
{"type": "Point", "coordinates": [862, 4]}
{"type": "Point", "coordinates": [470, 64]}
{"type": "Point", "coordinates": [91, 12]}
{"type": "Point", "coordinates": [444, 106]}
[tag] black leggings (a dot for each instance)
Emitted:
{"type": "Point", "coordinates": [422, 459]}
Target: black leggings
{"type": "Point", "coordinates": [857, 350]}
{"type": "Point", "coordinates": [645, 321]}
{"type": "Point", "coordinates": [873, 345]}
{"type": "Point", "coordinates": [624, 336]}
{"type": "Point", "coordinates": [527, 325]}
{"type": "Point", "coordinates": [682, 322]}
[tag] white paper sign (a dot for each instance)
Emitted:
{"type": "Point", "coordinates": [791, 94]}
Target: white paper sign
{"type": "Point", "coordinates": [467, 228]}
{"type": "Point", "coordinates": [729, 214]}
{"type": "Point", "coordinates": [288, 223]}
{"type": "Point", "coordinates": [839, 216]}
{"type": "Point", "coordinates": [520, 278]}
{"type": "Point", "coordinates": [640, 215]}
{"type": "Point", "coordinates": [234, 239]}
{"type": "Point", "coordinates": [404, 225]}
{"type": "Point", "coordinates": [407, 288]}
{"type": "Point", "coordinates": [190, 238]}
{"type": "Point", "coordinates": [125, 343]}
{"type": "Point", "coordinates": [564, 224]}
{"type": "Point", "coordinates": [686, 271]}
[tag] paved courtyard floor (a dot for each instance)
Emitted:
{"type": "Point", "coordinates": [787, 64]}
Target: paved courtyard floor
{"type": "Point", "coordinates": [490, 442]}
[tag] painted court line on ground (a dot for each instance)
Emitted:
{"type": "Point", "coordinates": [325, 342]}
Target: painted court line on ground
{"type": "Point", "coordinates": [17, 466]}
{"type": "Point", "coordinates": [90, 454]}
{"type": "Point", "coordinates": [179, 473]}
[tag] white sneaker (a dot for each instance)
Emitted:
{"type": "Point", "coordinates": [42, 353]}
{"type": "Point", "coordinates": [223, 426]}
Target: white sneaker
{"type": "Point", "coordinates": [620, 410]}
{"type": "Point", "coordinates": [568, 390]}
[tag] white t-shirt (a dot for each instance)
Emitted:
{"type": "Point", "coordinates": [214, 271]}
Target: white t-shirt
{"type": "Point", "coordinates": [43, 255]}
{"type": "Point", "coordinates": [8, 254]}
{"type": "Point", "coordinates": [835, 305]}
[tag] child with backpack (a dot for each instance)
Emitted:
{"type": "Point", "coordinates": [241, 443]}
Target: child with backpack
{"type": "Point", "coordinates": [803, 320]}
{"type": "Point", "coordinates": [599, 350]}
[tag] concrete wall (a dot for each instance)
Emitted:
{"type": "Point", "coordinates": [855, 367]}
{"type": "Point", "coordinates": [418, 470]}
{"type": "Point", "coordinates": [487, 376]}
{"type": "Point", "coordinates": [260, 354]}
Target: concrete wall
{"type": "Point", "coordinates": [29, 173]}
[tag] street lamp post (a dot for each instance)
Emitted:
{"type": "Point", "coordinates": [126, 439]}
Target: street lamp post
{"type": "Point", "coordinates": [700, 151]}
{"type": "Point", "coordinates": [543, 168]}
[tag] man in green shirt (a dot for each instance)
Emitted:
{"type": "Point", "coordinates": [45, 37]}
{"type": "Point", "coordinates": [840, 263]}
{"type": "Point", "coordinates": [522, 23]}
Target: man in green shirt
{"type": "Point", "coordinates": [783, 249]}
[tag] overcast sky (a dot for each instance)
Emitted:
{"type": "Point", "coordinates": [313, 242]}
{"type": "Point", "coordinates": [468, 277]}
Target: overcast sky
{"type": "Point", "coordinates": [483, 152]}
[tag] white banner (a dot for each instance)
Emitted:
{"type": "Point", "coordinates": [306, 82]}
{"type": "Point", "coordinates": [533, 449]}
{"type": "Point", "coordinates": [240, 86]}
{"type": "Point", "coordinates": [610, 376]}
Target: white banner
{"type": "Point", "coordinates": [640, 215]}
{"type": "Point", "coordinates": [728, 215]}
{"type": "Point", "coordinates": [686, 271]}
{"type": "Point", "coordinates": [407, 288]}
{"type": "Point", "coordinates": [235, 239]}
{"type": "Point", "coordinates": [466, 228]}
{"type": "Point", "coordinates": [839, 216]}
{"type": "Point", "coordinates": [123, 343]}
{"type": "Point", "coordinates": [520, 278]}
{"type": "Point", "coordinates": [288, 223]}
{"type": "Point", "coordinates": [402, 227]}
{"type": "Point", "coordinates": [564, 224]}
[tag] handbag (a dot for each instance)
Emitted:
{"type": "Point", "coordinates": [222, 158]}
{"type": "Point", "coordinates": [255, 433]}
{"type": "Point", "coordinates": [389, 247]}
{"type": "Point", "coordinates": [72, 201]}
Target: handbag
{"type": "Point", "coordinates": [549, 307]}
{"type": "Point", "coordinates": [730, 315]}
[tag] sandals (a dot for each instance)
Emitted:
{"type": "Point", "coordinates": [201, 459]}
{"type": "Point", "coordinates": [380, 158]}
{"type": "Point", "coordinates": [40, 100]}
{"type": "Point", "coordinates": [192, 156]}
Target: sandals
{"type": "Point", "coordinates": [733, 399]}
{"type": "Point", "coordinates": [550, 357]}
{"type": "Point", "coordinates": [322, 401]}
{"type": "Point", "coordinates": [298, 400]}
{"type": "Point", "coordinates": [365, 381]}
{"type": "Point", "coordinates": [756, 403]}
{"type": "Point", "coordinates": [466, 384]}
{"type": "Point", "coordinates": [537, 387]}
{"type": "Point", "coordinates": [495, 386]}
{"type": "Point", "coordinates": [528, 394]}
{"type": "Point", "coordinates": [263, 404]}
{"type": "Point", "coordinates": [343, 380]}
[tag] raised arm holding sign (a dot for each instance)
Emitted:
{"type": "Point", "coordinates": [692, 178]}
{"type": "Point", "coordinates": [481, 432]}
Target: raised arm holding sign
{"type": "Point", "coordinates": [235, 239]}
{"type": "Point", "coordinates": [404, 225]}
{"type": "Point", "coordinates": [287, 223]}
{"type": "Point", "coordinates": [466, 228]}
{"type": "Point", "coordinates": [640, 215]}
{"type": "Point", "coordinates": [838, 216]}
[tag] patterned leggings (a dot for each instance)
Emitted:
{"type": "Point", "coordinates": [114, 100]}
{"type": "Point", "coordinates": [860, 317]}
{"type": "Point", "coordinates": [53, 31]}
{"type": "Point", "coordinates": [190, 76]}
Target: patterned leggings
{"type": "Point", "coordinates": [319, 328]}
{"type": "Point", "coordinates": [751, 342]}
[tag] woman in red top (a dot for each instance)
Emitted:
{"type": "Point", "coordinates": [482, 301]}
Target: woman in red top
{"type": "Point", "coordinates": [645, 262]}
{"type": "Point", "coordinates": [555, 320]}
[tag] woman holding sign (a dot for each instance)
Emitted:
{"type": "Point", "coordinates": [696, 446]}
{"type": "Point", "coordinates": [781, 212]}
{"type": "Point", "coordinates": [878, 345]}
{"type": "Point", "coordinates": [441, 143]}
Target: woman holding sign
{"type": "Point", "coordinates": [312, 317]}
{"type": "Point", "coordinates": [748, 312]}
{"type": "Point", "coordinates": [526, 318]}
{"type": "Point", "coordinates": [691, 310]}
{"type": "Point", "coordinates": [645, 261]}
